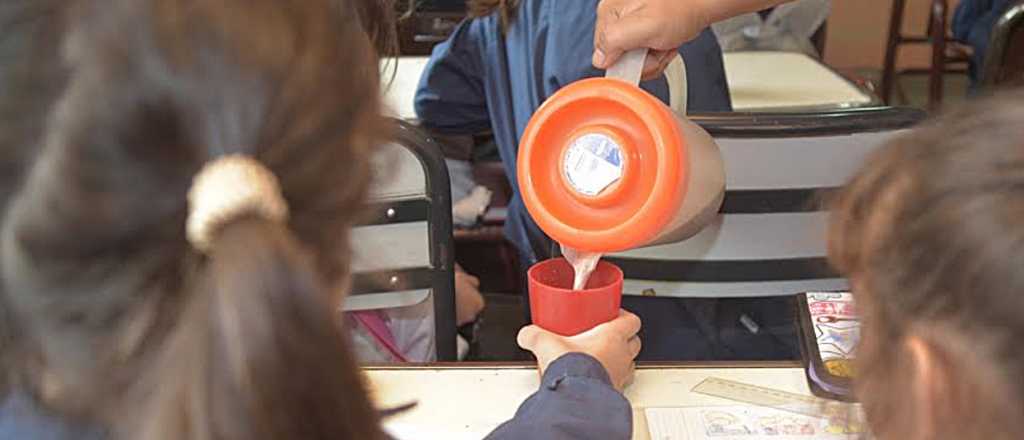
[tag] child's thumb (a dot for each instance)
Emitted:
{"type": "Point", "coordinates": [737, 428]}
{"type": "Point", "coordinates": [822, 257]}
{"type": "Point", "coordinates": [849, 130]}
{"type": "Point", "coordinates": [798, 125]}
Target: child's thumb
{"type": "Point", "coordinates": [529, 337]}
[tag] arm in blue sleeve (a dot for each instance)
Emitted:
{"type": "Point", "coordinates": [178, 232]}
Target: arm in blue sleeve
{"type": "Point", "coordinates": [450, 98]}
{"type": "Point", "coordinates": [575, 401]}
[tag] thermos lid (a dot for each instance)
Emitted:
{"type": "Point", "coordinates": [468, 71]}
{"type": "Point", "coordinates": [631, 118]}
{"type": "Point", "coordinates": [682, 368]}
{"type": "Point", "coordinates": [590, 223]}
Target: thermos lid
{"type": "Point", "coordinates": [603, 166]}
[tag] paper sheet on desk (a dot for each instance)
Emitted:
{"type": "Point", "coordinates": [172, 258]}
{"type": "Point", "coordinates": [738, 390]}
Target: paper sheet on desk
{"type": "Point", "coordinates": [405, 431]}
{"type": "Point", "coordinates": [742, 422]}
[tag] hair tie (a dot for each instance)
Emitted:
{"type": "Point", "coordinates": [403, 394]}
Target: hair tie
{"type": "Point", "coordinates": [224, 190]}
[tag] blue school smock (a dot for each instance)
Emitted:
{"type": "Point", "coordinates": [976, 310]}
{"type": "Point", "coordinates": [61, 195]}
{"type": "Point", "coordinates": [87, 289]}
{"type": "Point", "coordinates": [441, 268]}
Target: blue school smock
{"type": "Point", "coordinates": [973, 22]}
{"type": "Point", "coordinates": [482, 80]}
{"type": "Point", "coordinates": [575, 401]}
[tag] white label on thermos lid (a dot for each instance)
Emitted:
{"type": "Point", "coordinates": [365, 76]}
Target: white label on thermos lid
{"type": "Point", "coordinates": [592, 163]}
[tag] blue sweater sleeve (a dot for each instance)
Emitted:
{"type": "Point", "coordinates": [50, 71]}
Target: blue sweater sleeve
{"type": "Point", "coordinates": [575, 401]}
{"type": "Point", "coordinates": [450, 97]}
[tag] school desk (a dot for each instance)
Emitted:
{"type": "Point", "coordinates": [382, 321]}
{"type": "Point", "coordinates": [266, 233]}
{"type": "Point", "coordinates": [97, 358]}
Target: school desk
{"type": "Point", "coordinates": [786, 81]}
{"type": "Point", "coordinates": [758, 81]}
{"type": "Point", "coordinates": [467, 402]}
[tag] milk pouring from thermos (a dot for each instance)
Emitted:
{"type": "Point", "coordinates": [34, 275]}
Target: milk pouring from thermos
{"type": "Point", "coordinates": [604, 166]}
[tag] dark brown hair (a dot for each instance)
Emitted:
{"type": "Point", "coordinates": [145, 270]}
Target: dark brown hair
{"type": "Point", "coordinates": [118, 320]}
{"type": "Point", "coordinates": [506, 10]}
{"type": "Point", "coordinates": [31, 78]}
{"type": "Point", "coordinates": [931, 234]}
{"type": "Point", "coordinates": [379, 21]}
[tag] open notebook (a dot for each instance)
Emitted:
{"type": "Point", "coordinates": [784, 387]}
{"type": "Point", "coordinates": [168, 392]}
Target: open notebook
{"type": "Point", "coordinates": [746, 422]}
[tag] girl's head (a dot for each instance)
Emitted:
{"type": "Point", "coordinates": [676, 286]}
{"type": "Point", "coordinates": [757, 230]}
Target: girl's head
{"type": "Point", "coordinates": [117, 318]}
{"type": "Point", "coordinates": [931, 235]}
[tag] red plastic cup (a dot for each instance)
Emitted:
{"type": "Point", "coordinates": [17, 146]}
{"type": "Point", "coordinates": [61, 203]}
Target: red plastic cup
{"type": "Point", "coordinates": [555, 307]}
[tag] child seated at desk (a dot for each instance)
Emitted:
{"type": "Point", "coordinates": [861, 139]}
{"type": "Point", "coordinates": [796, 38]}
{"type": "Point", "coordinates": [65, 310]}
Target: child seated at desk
{"type": "Point", "coordinates": [973, 23]}
{"type": "Point", "coordinates": [931, 235]}
{"type": "Point", "coordinates": [497, 68]}
{"type": "Point", "coordinates": [169, 261]}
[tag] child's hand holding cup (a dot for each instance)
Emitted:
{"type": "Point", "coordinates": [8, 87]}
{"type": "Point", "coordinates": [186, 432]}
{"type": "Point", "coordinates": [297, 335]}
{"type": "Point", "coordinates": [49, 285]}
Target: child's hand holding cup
{"type": "Point", "coordinates": [585, 321]}
{"type": "Point", "coordinates": [615, 344]}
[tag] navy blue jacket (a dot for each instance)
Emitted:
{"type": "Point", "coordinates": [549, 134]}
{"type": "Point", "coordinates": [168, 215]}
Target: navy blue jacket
{"type": "Point", "coordinates": [480, 80]}
{"type": "Point", "coordinates": [973, 22]}
{"type": "Point", "coordinates": [575, 401]}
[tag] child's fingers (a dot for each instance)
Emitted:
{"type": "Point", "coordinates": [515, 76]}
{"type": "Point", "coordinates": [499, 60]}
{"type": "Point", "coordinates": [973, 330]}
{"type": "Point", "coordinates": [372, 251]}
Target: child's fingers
{"type": "Point", "coordinates": [627, 324]}
{"type": "Point", "coordinates": [630, 375]}
{"type": "Point", "coordinates": [530, 336]}
{"type": "Point", "coordinates": [634, 347]}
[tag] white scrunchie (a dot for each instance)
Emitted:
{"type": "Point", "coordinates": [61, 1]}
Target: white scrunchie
{"type": "Point", "coordinates": [226, 189]}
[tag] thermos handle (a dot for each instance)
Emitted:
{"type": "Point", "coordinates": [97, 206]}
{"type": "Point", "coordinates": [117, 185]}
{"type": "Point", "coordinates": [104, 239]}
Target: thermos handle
{"type": "Point", "coordinates": [675, 74]}
{"type": "Point", "coordinates": [630, 67]}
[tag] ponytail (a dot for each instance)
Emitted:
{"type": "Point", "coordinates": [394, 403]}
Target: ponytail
{"type": "Point", "coordinates": [120, 320]}
{"type": "Point", "coordinates": [256, 353]}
